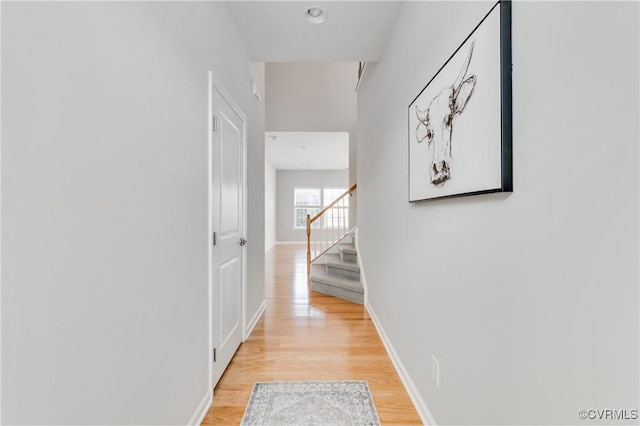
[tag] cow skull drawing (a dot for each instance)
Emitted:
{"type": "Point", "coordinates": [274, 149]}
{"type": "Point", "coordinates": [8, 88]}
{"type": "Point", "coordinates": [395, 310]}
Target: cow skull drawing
{"type": "Point", "coordinates": [435, 124]}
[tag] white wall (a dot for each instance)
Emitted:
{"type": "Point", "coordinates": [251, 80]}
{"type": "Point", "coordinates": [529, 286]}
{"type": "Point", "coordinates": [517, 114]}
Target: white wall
{"type": "Point", "coordinates": [104, 198]}
{"type": "Point", "coordinates": [529, 300]}
{"type": "Point", "coordinates": [269, 206]}
{"type": "Point", "coordinates": [311, 97]}
{"type": "Point", "coordinates": [287, 180]}
{"type": "Point", "coordinates": [255, 164]}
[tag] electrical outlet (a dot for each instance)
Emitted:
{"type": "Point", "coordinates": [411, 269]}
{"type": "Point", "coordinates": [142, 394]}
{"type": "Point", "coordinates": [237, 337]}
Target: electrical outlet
{"type": "Point", "coordinates": [435, 371]}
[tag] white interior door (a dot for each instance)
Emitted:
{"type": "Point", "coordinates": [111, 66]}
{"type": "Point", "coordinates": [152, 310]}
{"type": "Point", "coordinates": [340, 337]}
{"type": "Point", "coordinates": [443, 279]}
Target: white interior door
{"type": "Point", "coordinates": [228, 222]}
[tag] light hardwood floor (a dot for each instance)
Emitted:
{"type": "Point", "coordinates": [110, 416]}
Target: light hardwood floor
{"type": "Point", "coordinates": [304, 335]}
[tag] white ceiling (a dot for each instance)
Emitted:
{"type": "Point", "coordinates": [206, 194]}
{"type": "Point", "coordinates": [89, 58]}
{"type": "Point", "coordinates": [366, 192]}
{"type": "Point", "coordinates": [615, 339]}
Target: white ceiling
{"type": "Point", "coordinates": [307, 150]}
{"type": "Point", "coordinates": [277, 31]}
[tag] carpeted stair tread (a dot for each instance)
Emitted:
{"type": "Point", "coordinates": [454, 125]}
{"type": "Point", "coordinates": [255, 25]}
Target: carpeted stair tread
{"type": "Point", "coordinates": [334, 261]}
{"type": "Point", "coordinates": [347, 248]}
{"type": "Point", "coordinates": [321, 276]}
{"type": "Point", "coordinates": [337, 286]}
{"type": "Point", "coordinates": [317, 268]}
{"type": "Point", "coordinates": [348, 253]}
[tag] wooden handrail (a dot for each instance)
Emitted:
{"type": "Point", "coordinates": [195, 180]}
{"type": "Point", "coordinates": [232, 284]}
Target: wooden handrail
{"type": "Point", "coordinates": [344, 194]}
{"type": "Point", "coordinates": [310, 220]}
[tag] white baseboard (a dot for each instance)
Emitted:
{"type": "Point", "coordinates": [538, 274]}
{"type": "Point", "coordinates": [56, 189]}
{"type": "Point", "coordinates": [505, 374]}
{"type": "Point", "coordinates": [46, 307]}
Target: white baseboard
{"type": "Point", "coordinates": [410, 387]}
{"type": "Point", "coordinates": [284, 243]}
{"type": "Point", "coordinates": [201, 410]}
{"type": "Point", "coordinates": [255, 320]}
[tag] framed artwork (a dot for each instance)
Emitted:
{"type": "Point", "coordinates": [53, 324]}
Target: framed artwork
{"type": "Point", "coordinates": [460, 127]}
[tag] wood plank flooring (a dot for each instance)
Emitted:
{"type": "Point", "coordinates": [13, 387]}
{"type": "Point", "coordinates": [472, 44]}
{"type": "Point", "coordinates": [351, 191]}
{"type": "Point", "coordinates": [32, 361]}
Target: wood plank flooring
{"type": "Point", "coordinates": [304, 335]}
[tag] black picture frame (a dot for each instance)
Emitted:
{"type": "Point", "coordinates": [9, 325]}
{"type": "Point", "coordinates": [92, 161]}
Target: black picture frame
{"type": "Point", "coordinates": [430, 106]}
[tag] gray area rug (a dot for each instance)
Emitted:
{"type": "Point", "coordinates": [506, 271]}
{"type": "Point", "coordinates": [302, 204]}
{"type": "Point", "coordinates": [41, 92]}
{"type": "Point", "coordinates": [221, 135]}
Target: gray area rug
{"type": "Point", "coordinates": [310, 403]}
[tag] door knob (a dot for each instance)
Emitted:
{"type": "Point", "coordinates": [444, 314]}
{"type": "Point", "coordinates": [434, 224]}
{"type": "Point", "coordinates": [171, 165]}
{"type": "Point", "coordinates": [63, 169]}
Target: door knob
{"type": "Point", "coordinates": [243, 241]}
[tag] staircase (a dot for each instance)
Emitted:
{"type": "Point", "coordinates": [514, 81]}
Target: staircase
{"type": "Point", "coordinates": [338, 274]}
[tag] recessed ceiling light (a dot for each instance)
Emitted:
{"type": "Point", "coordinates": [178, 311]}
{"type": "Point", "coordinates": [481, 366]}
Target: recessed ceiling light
{"type": "Point", "coordinates": [303, 147]}
{"type": "Point", "coordinates": [315, 15]}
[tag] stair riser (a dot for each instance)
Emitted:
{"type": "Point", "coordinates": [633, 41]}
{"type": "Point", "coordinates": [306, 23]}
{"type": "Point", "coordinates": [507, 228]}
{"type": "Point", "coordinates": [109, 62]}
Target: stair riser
{"type": "Point", "coordinates": [354, 275]}
{"type": "Point", "coordinates": [342, 293]}
{"type": "Point", "coordinates": [349, 257]}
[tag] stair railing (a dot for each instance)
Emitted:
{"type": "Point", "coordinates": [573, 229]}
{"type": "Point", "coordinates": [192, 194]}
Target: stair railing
{"type": "Point", "coordinates": [329, 226]}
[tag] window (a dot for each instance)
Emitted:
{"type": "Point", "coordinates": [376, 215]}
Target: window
{"type": "Point", "coordinates": [309, 201]}
{"type": "Point", "coordinates": [306, 201]}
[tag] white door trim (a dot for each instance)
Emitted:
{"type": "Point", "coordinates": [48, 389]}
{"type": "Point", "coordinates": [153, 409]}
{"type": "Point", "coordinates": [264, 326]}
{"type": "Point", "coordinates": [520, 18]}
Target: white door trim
{"type": "Point", "coordinates": [214, 84]}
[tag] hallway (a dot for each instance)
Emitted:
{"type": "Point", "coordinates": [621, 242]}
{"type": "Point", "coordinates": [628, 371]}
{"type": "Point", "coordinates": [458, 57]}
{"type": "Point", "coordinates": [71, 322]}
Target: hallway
{"type": "Point", "coordinates": [308, 337]}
